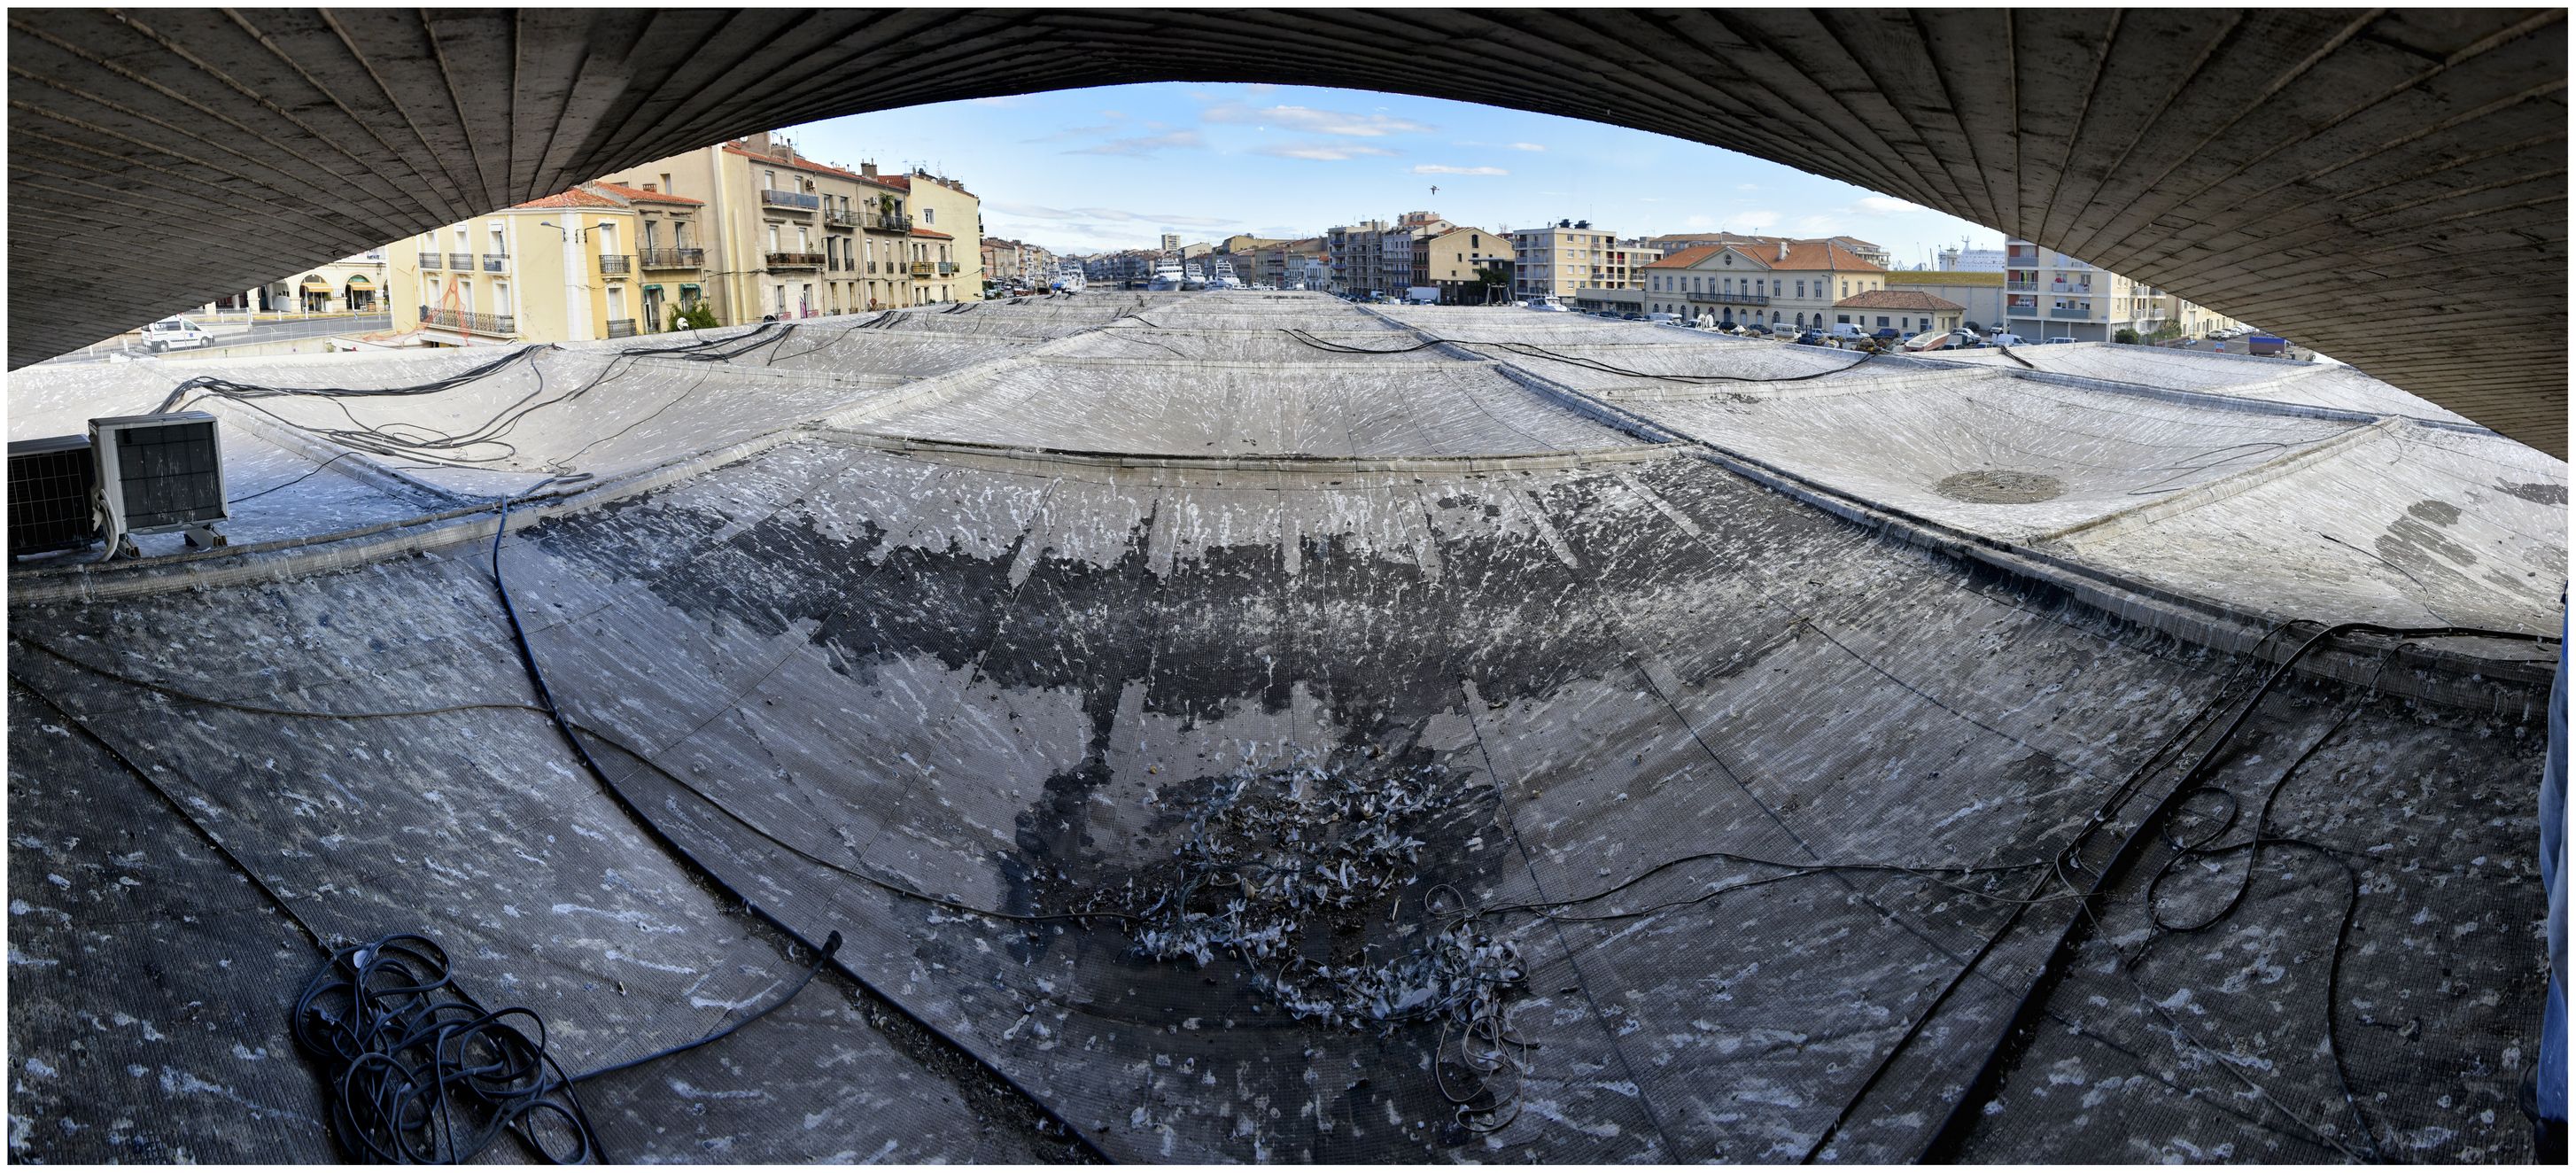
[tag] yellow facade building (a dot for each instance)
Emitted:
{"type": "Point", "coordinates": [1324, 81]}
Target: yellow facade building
{"type": "Point", "coordinates": [558, 269]}
{"type": "Point", "coordinates": [782, 235]}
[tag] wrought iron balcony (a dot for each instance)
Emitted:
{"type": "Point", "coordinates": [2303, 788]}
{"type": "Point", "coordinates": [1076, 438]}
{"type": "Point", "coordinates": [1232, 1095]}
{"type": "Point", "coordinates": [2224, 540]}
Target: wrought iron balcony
{"type": "Point", "coordinates": [795, 260]}
{"type": "Point", "coordinates": [430, 260]}
{"type": "Point", "coordinates": [790, 199]}
{"type": "Point", "coordinates": [495, 262]}
{"type": "Point", "coordinates": [946, 267]}
{"type": "Point", "coordinates": [498, 325]}
{"type": "Point", "coordinates": [888, 222]}
{"type": "Point", "coordinates": [621, 327]}
{"type": "Point", "coordinates": [839, 218]}
{"type": "Point", "coordinates": [616, 264]}
{"type": "Point", "coordinates": [673, 258]}
{"type": "Point", "coordinates": [921, 268]}
{"type": "Point", "coordinates": [460, 261]}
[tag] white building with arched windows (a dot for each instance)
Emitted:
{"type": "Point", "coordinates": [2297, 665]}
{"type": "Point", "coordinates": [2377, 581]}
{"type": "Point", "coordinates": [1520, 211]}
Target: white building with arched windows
{"type": "Point", "coordinates": [1773, 281]}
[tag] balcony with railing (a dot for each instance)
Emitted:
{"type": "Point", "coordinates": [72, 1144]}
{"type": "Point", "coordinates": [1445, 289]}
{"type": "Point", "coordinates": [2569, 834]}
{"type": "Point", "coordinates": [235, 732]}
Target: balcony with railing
{"type": "Point", "coordinates": [840, 218]}
{"type": "Point", "coordinates": [495, 262]}
{"type": "Point", "coordinates": [616, 264]}
{"type": "Point", "coordinates": [794, 260]}
{"type": "Point", "coordinates": [497, 325]}
{"type": "Point", "coordinates": [947, 267]}
{"type": "Point", "coordinates": [2079, 314]}
{"type": "Point", "coordinates": [2021, 286]}
{"type": "Point", "coordinates": [430, 260]}
{"type": "Point", "coordinates": [673, 258]}
{"type": "Point", "coordinates": [621, 327]}
{"type": "Point", "coordinates": [1714, 297]}
{"type": "Point", "coordinates": [921, 269]}
{"type": "Point", "coordinates": [462, 262]}
{"type": "Point", "coordinates": [798, 200]}
{"type": "Point", "coordinates": [887, 222]}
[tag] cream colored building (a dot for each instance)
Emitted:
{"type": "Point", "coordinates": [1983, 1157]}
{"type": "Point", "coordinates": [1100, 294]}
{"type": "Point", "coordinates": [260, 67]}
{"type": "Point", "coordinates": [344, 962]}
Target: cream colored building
{"type": "Point", "coordinates": [1556, 260]}
{"type": "Point", "coordinates": [787, 236]}
{"type": "Point", "coordinates": [348, 285]}
{"type": "Point", "coordinates": [2048, 294]}
{"type": "Point", "coordinates": [1451, 260]}
{"type": "Point", "coordinates": [559, 269]}
{"type": "Point", "coordinates": [1788, 282]}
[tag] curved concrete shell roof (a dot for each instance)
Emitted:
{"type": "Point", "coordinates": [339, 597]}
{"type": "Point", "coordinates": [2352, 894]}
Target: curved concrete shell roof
{"type": "Point", "coordinates": [2388, 187]}
{"type": "Point", "coordinates": [1248, 726]}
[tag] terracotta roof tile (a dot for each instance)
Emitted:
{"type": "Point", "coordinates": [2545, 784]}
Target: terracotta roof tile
{"type": "Point", "coordinates": [1899, 299]}
{"type": "Point", "coordinates": [575, 198]}
{"type": "Point", "coordinates": [641, 196]}
{"type": "Point", "coordinates": [792, 159]}
{"type": "Point", "coordinates": [1685, 258]}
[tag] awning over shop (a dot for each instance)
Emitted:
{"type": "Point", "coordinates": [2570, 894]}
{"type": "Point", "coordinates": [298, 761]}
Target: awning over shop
{"type": "Point", "coordinates": [359, 281]}
{"type": "Point", "coordinates": [317, 287]}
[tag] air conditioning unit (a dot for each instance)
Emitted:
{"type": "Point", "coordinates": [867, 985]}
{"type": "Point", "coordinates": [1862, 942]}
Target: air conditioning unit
{"type": "Point", "coordinates": [53, 486]}
{"type": "Point", "coordinates": [158, 474]}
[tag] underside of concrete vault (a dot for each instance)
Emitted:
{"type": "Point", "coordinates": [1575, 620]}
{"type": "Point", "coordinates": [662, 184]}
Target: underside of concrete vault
{"type": "Point", "coordinates": [2388, 187]}
{"type": "Point", "coordinates": [1249, 726]}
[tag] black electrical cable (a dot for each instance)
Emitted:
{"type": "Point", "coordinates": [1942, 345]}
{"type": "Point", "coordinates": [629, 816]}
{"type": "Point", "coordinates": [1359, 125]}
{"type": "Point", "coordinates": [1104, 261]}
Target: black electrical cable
{"type": "Point", "coordinates": [230, 502]}
{"type": "Point", "coordinates": [1946, 1140]}
{"type": "Point", "coordinates": [822, 957]}
{"type": "Point", "coordinates": [420, 1072]}
{"type": "Point", "coordinates": [581, 753]}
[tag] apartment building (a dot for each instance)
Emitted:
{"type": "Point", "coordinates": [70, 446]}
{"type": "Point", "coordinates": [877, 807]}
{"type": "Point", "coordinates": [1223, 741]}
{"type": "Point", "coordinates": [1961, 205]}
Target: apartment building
{"type": "Point", "coordinates": [947, 235]}
{"type": "Point", "coordinates": [1453, 261]}
{"type": "Point", "coordinates": [2048, 294]}
{"type": "Point", "coordinates": [558, 269]}
{"type": "Point", "coordinates": [1556, 260]}
{"type": "Point", "coordinates": [783, 235]}
{"type": "Point", "coordinates": [1792, 282]}
{"type": "Point", "coordinates": [1353, 248]}
{"type": "Point", "coordinates": [1677, 241]}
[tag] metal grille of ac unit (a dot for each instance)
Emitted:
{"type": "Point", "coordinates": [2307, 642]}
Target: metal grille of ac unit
{"type": "Point", "coordinates": [49, 495]}
{"type": "Point", "coordinates": [169, 474]}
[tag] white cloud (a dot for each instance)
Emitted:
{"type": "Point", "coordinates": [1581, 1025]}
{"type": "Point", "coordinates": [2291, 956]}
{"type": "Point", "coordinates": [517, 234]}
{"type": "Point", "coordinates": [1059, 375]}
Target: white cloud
{"type": "Point", "coordinates": [1314, 121]}
{"type": "Point", "coordinates": [1445, 169]}
{"type": "Point", "coordinates": [1319, 151]}
{"type": "Point", "coordinates": [1527, 147]}
{"type": "Point", "coordinates": [1758, 219]}
{"type": "Point", "coordinates": [1146, 144]}
{"type": "Point", "coordinates": [1887, 207]}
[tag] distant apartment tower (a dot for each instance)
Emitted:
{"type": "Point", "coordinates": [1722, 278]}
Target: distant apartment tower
{"type": "Point", "coordinates": [2048, 294]}
{"type": "Point", "coordinates": [1971, 260]}
{"type": "Point", "coordinates": [1171, 242]}
{"type": "Point", "coordinates": [1558, 259]}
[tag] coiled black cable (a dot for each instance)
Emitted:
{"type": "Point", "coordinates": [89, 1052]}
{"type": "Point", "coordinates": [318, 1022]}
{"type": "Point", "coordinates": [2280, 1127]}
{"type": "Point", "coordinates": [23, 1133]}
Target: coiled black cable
{"type": "Point", "coordinates": [421, 1073]}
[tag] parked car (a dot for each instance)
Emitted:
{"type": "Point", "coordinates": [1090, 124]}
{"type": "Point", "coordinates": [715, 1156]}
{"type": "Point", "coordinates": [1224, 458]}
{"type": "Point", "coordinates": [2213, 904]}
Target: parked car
{"type": "Point", "coordinates": [175, 334]}
{"type": "Point", "coordinates": [1663, 317]}
{"type": "Point", "coordinates": [2006, 338]}
{"type": "Point", "coordinates": [2055, 341]}
{"type": "Point", "coordinates": [1809, 338]}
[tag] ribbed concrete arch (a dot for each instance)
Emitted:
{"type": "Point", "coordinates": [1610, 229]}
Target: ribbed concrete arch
{"type": "Point", "coordinates": [2387, 187]}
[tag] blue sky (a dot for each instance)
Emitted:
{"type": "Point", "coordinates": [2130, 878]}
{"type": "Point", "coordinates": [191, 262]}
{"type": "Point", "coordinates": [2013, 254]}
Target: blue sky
{"type": "Point", "coordinates": [1114, 167]}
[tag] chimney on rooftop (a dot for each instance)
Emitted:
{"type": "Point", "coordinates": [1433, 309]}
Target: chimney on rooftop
{"type": "Point", "coordinates": [868, 169]}
{"type": "Point", "coordinates": [1784, 250]}
{"type": "Point", "coordinates": [758, 143]}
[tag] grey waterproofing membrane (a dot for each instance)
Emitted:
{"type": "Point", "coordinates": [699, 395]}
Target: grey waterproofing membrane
{"type": "Point", "coordinates": [1683, 768]}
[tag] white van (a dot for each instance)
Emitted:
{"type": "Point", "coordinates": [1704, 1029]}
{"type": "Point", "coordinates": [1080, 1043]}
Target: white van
{"type": "Point", "coordinates": [2003, 339]}
{"type": "Point", "coordinates": [1845, 330]}
{"type": "Point", "coordinates": [175, 334]}
{"type": "Point", "coordinates": [1663, 317]}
